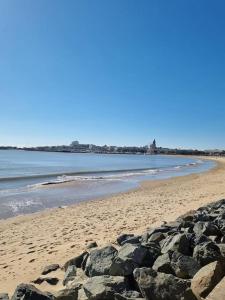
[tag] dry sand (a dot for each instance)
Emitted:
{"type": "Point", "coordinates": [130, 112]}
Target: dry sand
{"type": "Point", "coordinates": [30, 242]}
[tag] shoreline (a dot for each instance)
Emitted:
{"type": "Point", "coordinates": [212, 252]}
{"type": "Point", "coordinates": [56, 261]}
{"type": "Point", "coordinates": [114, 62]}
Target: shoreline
{"type": "Point", "coordinates": [66, 191]}
{"type": "Point", "coordinates": [29, 242]}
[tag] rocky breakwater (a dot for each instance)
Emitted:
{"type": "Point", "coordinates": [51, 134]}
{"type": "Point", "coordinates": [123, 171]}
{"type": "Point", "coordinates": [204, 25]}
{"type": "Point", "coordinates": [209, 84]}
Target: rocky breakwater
{"type": "Point", "coordinates": [179, 260]}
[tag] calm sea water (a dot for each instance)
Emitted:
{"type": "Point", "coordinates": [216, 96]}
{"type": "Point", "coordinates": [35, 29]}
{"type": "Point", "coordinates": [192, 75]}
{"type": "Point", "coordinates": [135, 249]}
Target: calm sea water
{"type": "Point", "coordinates": [33, 181]}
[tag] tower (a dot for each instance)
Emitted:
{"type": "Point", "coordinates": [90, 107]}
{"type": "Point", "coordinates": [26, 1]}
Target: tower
{"type": "Point", "coordinates": [152, 148]}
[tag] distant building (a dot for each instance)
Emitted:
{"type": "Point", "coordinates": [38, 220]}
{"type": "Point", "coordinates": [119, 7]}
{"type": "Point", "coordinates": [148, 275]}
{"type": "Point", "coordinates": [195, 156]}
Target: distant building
{"type": "Point", "coordinates": [152, 148]}
{"type": "Point", "coordinates": [74, 144]}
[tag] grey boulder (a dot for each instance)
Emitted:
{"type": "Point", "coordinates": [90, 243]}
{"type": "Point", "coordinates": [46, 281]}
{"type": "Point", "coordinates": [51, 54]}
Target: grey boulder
{"type": "Point", "coordinates": [68, 293]}
{"type": "Point", "coordinates": [77, 261]}
{"type": "Point", "coordinates": [50, 268]}
{"type": "Point", "coordinates": [130, 257]}
{"type": "Point", "coordinates": [99, 261]}
{"type": "Point", "coordinates": [179, 242]}
{"type": "Point", "coordinates": [104, 287]}
{"type": "Point", "coordinates": [163, 264]}
{"type": "Point", "coordinates": [29, 292]}
{"type": "Point", "coordinates": [160, 286]}
{"type": "Point", "coordinates": [206, 253]}
{"type": "Point", "coordinates": [184, 266]}
{"type": "Point", "coordinates": [70, 274]}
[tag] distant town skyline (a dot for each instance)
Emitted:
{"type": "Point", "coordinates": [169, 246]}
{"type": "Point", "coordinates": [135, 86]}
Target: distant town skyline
{"type": "Point", "coordinates": [112, 72]}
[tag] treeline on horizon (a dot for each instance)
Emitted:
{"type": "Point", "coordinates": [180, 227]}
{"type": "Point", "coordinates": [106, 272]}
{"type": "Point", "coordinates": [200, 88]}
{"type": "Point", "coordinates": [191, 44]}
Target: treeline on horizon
{"type": "Point", "coordinates": [87, 148]}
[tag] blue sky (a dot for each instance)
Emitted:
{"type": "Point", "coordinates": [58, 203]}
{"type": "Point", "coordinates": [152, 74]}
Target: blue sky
{"type": "Point", "coordinates": [118, 72]}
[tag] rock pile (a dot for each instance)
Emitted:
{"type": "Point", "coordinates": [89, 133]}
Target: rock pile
{"type": "Point", "coordinates": [181, 260]}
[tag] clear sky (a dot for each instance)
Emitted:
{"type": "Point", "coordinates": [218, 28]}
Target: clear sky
{"type": "Point", "coordinates": [118, 72]}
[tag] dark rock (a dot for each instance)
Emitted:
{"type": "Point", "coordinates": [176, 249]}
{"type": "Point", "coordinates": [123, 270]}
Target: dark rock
{"type": "Point", "coordinates": [29, 292]}
{"type": "Point", "coordinates": [206, 253]}
{"type": "Point", "coordinates": [214, 238]}
{"type": "Point", "coordinates": [70, 274]}
{"type": "Point", "coordinates": [123, 238]}
{"type": "Point", "coordinates": [187, 224]}
{"type": "Point", "coordinates": [49, 280]}
{"type": "Point", "coordinates": [92, 245]}
{"type": "Point", "coordinates": [184, 266]}
{"type": "Point", "coordinates": [163, 264]}
{"type": "Point", "coordinates": [133, 240]}
{"type": "Point", "coordinates": [130, 257]}
{"type": "Point", "coordinates": [204, 217]}
{"type": "Point", "coordinates": [189, 216]}
{"type": "Point", "coordinates": [199, 239]}
{"type": "Point", "coordinates": [104, 287]}
{"type": "Point", "coordinates": [206, 228]}
{"type": "Point", "coordinates": [50, 268]}
{"type": "Point", "coordinates": [163, 229]}
{"type": "Point", "coordinates": [156, 237]}
{"type": "Point", "coordinates": [207, 278]}
{"type": "Point", "coordinates": [132, 294]}
{"type": "Point", "coordinates": [76, 261]}
{"type": "Point", "coordinates": [129, 295]}
{"type": "Point", "coordinates": [100, 260]}
{"type": "Point", "coordinates": [4, 296]}
{"type": "Point", "coordinates": [158, 286]}
{"type": "Point", "coordinates": [178, 242]}
{"type": "Point", "coordinates": [188, 295]}
{"type": "Point", "coordinates": [84, 262]}
{"type": "Point", "coordinates": [68, 293]}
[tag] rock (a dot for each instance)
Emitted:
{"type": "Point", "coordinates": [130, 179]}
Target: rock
{"type": "Point", "coordinates": [84, 262]}
{"type": "Point", "coordinates": [206, 228]}
{"type": "Point", "coordinates": [76, 261]}
{"type": "Point", "coordinates": [92, 245]}
{"type": "Point", "coordinates": [49, 280]}
{"type": "Point", "coordinates": [222, 249]}
{"type": "Point", "coordinates": [178, 242]}
{"type": "Point", "coordinates": [68, 293]}
{"type": "Point", "coordinates": [184, 266]}
{"type": "Point", "coordinates": [131, 294]}
{"type": "Point", "coordinates": [50, 268]}
{"type": "Point", "coordinates": [70, 274]}
{"type": "Point", "coordinates": [156, 237]}
{"type": "Point", "coordinates": [104, 287]}
{"type": "Point", "coordinates": [189, 216]}
{"type": "Point", "coordinates": [132, 240]}
{"type": "Point", "coordinates": [206, 253]}
{"type": "Point", "coordinates": [100, 260]}
{"type": "Point", "coordinates": [123, 238]}
{"type": "Point", "coordinates": [128, 296]}
{"type": "Point", "coordinates": [29, 292]}
{"type": "Point", "coordinates": [82, 295]}
{"type": "Point", "coordinates": [163, 264]}
{"type": "Point", "coordinates": [130, 257]}
{"type": "Point", "coordinates": [188, 295]}
{"type": "Point", "coordinates": [207, 278]}
{"type": "Point", "coordinates": [4, 296]}
{"type": "Point", "coordinates": [157, 286]}
{"type": "Point", "coordinates": [80, 278]}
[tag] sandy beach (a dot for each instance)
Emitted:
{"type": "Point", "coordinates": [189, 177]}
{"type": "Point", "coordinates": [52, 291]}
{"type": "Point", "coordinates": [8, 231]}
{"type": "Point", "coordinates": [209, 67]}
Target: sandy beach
{"type": "Point", "coordinates": [30, 242]}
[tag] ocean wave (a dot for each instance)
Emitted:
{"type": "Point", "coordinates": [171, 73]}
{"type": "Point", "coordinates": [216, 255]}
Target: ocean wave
{"type": "Point", "coordinates": [105, 175]}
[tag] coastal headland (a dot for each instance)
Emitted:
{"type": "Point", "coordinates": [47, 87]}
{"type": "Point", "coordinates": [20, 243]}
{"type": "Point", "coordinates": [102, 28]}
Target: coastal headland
{"type": "Point", "coordinates": [28, 243]}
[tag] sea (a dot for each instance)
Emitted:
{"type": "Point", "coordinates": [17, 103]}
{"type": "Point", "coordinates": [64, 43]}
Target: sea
{"type": "Point", "coordinates": [32, 181]}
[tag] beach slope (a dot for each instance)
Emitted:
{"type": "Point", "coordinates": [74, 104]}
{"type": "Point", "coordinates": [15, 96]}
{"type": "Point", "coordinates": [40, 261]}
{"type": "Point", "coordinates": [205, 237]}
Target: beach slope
{"type": "Point", "coordinates": [29, 243]}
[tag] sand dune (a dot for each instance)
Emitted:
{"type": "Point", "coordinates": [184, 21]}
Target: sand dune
{"type": "Point", "coordinates": [30, 242]}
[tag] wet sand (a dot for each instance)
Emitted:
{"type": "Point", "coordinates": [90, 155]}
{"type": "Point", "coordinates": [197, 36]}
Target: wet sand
{"type": "Point", "coordinates": [30, 242]}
